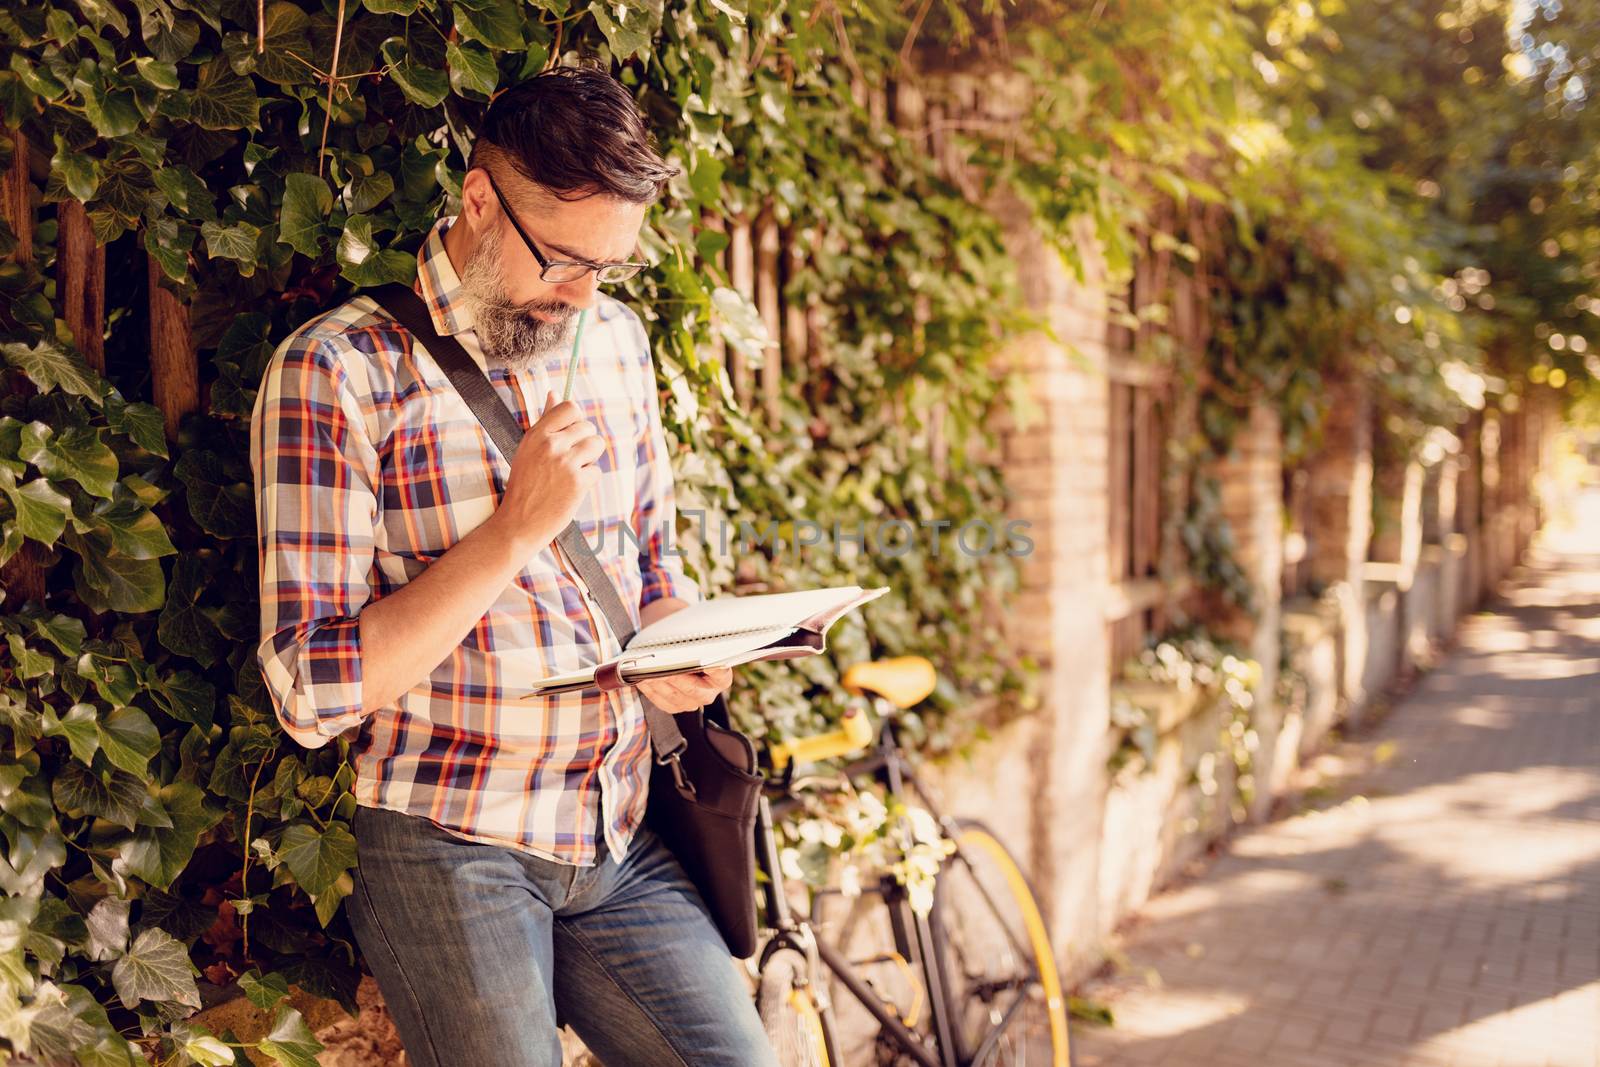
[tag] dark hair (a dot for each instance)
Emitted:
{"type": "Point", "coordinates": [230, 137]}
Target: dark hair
{"type": "Point", "coordinates": [576, 132]}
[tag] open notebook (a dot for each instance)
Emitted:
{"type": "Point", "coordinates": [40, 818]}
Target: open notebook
{"type": "Point", "coordinates": [721, 632]}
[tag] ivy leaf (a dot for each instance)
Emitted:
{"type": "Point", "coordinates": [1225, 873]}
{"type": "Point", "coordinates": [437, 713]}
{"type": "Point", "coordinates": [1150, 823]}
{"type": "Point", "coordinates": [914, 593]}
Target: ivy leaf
{"type": "Point", "coordinates": [110, 581]}
{"type": "Point", "coordinates": [171, 42]}
{"type": "Point", "coordinates": [111, 111]}
{"type": "Point", "coordinates": [306, 203]}
{"type": "Point", "coordinates": [103, 13]}
{"type": "Point", "coordinates": [367, 191]}
{"type": "Point", "coordinates": [63, 631]}
{"type": "Point", "coordinates": [629, 28]}
{"type": "Point", "coordinates": [41, 511]}
{"type": "Point", "coordinates": [264, 991]}
{"type": "Point", "coordinates": [391, 7]}
{"type": "Point", "coordinates": [366, 265]}
{"type": "Point", "coordinates": [291, 1041]}
{"type": "Point", "coordinates": [222, 100]}
{"type": "Point", "coordinates": [420, 84]}
{"type": "Point", "coordinates": [156, 968]}
{"type": "Point", "coordinates": [159, 854]}
{"type": "Point", "coordinates": [140, 423]}
{"type": "Point", "coordinates": [129, 739]}
{"type": "Point", "coordinates": [236, 242]}
{"type": "Point", "coordinates": [472, 69]}
{"type": "Point", "coordinates": [158, 72]}
{"type": "Point", "coordinates": [185, 191]}
{"type": "Point", "coordinates": [49, 366]}
{"type": "Point", "coordinates": [27, 662]}
{"type": "Point", "coordinates": [76, 453]}
{"type": "Point", "coordinates": [185, 696]}
{"type": "Point", "coordinates": [185, 627]}
{"type": "Point", "coordinates": [206, 1050]}
{"type": "Point", "coordinates": [108, 929]}
{"type": "Point", "coordinates": [317, 858]}
{"type": "Point", "coordinates": [222, 506]}
{"type": "Point", "coordinates": [285, 39]}
{"type": "Point", "coordinates": [80, 728]}
{"type": "Point", "coordinates": [117, 798]}
{"type": "Point", "coordinates": [34, 853]}
{"type": "Point", "coordinates": [134, 529]}
{"type": "Point", "coordinates": [497, 24]}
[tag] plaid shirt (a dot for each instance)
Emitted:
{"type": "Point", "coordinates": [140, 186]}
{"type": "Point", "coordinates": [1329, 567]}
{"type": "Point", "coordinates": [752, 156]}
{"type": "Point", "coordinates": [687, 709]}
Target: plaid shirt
{"type": "Point", "coordinates": [368, 467]}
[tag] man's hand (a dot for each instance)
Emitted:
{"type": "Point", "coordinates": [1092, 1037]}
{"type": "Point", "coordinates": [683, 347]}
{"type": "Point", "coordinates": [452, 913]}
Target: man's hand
{"type": "Point", "coordinates": [686, 692]}
{"type": "Point", "coordinates": [552, 472]}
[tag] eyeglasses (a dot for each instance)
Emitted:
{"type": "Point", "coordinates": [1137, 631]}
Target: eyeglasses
{"type": "Point", "coordinates": [557, 271]}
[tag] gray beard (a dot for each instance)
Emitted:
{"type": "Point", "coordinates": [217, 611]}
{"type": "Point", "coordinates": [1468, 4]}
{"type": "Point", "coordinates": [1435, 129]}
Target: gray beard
{"type": "Point", "coordinates": [508, 332]}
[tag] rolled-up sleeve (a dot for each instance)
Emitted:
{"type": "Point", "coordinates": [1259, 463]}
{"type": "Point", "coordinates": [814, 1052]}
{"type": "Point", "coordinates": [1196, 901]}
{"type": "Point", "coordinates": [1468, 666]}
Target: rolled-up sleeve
{"type": "Point", "coordinates": [316, 475]}
{"type": "Point", "coordinates": [655, 511]}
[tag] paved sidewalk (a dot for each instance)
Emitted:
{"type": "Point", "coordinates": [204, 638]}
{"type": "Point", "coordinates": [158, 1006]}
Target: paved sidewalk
{"type": "Point", "coordinates": [1444, 909]}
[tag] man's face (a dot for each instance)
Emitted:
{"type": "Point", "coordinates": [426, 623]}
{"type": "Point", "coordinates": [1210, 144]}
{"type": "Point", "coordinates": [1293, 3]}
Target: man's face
{"type": "Point", "coordinates": [520, 318]}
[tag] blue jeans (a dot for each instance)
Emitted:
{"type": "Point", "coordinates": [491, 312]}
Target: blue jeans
{"type": "Point", "coordinates": [482, 952]}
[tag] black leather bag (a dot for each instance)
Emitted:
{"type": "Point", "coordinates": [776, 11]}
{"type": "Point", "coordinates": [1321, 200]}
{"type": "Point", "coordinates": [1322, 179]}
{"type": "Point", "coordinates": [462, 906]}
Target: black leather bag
{"type": "Point", "coordinates": [704, 786]}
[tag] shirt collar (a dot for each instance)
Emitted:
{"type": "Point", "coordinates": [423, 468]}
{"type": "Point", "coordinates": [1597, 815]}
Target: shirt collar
{"type": "Point", "coordinates": [440, 286]}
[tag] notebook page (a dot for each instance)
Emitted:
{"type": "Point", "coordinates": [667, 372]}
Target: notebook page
{"type": "Point", "coordinates": [728, 615]}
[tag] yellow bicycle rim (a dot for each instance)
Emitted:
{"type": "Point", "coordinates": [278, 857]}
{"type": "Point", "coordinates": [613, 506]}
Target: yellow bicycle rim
{"type": "Point", "coordinates": [1038, 938]}
{"type": "Point", "coordinates": [810, 1020]}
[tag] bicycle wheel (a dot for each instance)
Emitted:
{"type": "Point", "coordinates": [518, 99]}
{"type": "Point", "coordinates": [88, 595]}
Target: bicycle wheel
{"type": "Point", "coordinates": [999, 971]}
{"type": "Point", "coordinates": [789, 1012]}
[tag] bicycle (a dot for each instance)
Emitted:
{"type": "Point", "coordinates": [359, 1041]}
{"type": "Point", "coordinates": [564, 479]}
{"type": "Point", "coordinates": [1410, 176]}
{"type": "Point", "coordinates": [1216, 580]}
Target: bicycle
{"type": "Point", "coordinates": [978, 972]}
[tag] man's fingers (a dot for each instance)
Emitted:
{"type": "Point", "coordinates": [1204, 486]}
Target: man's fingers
{"type": "Point", "coordinates": [558, 416]}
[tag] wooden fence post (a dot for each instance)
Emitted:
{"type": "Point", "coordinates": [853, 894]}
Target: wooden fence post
{"type": "Point", "coordinates": [81, 276]}
{"type": "Point", "coordinates": [174, 367]}
{"type": "Point", "coordinates": [23, 576]}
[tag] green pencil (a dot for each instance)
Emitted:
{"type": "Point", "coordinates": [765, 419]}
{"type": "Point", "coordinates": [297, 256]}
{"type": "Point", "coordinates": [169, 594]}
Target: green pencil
{"type": "Point", "coordinates": [572, 364]}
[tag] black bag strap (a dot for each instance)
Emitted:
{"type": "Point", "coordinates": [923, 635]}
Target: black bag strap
{"type": "Point", "coordinates": [407, 308]}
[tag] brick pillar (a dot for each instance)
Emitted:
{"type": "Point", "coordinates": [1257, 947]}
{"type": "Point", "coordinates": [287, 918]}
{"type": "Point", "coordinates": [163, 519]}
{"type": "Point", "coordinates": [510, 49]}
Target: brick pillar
{"type": "Point", "coordinates": [1251, 477]}
{"type": "Point", "coordinates": [1056, 468]}
{"type": "Point", "coordinates": [1339, 488]}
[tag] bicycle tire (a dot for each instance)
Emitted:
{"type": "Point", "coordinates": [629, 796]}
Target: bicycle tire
{"type": "Point", "coordinates": [796, 1027]}
{"type": "Point", "coordinates": [1000, 885]}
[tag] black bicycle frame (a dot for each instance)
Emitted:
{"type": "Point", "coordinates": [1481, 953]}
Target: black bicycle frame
{"type": "Point", "coordinates": [916, 939]}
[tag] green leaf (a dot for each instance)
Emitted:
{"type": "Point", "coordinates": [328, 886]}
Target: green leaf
{"type": "Point", "coordinates": [236, 242]}
{"type": "Point", "coordinates": [286, 40]}
{"type": "Point", "coordinates": [222, 506]}
{"type": "Point", "coordinates": [629, 28]}
{"type": "Point", "coordinates": [366, 265]}
{"type": "Point", "coordinates": [306, 203]}
{"type": "Point", "coordinates": [420, 84]}
{"type": "Point", "coordinates": [185, 696]}
{"type": "Point", "coordinates": [80, 728]}
{"type": "Point", "coordinates": [76, 453]}
{"type": "Point", "coordinates": [103, 13]}
{"type": "Point", "coordinates": [367, 191]}
{"type": "Point", "coordinates": [206, 1050]}
{"type": "Point", "coordinates": [27, 662]}
{"type": "Point", "coordinates": [158, 72]}
{"type": "Point", "coordinates": [63, 631]}
{"type": "Point", "coordinates": [264, 991]}
{"type": "Point", "coordinates": [134, 529]}
{"type": "Point", "coordinates": [185, 627]}
{"type": "Point", "coordinates": [472, 69]}
{"type": "Point", "coordinates": [317, 858]}
{"type": "Point", "coordinates": [49, 366]}
{"type": "Point", "coordinates": [108, 929]}
{"type": "Point", "coordinates": [159, 854]}
{"type": "Point", "coordinates": [117, 798]}
{"type": "Point", "coordinates": [111, 111]}
{"type": "Point", "coordinates": [222, 100]}
{"type": "Point", "coordinates": [391, 7]}
{"type": "Point", "coordinates": [111, 581]}
{"type": "Point", "coordinates": [156, 968]}
{"type": "Point", "coordinates": [41, 511]}
{"type": "Point", "coordinates": [129, 739]}
{"type": "Point", "coordinates": [497, 24]}
{"type": "Point", "coordinates": [140, 423]}
{"type": "Point", "coordinates": [79, 173]}
{"type": "Point", "coordinates": [33, 854]}
{"type": "Point", "coordinates": [174, 42]}
{"type": "Point", "coordinates": [291, 1041]}
{"type": "Point", "coordinates": [185, 191]}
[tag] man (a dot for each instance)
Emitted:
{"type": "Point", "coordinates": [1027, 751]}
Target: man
{"type": "Point", "coordinates": [410, 588]}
